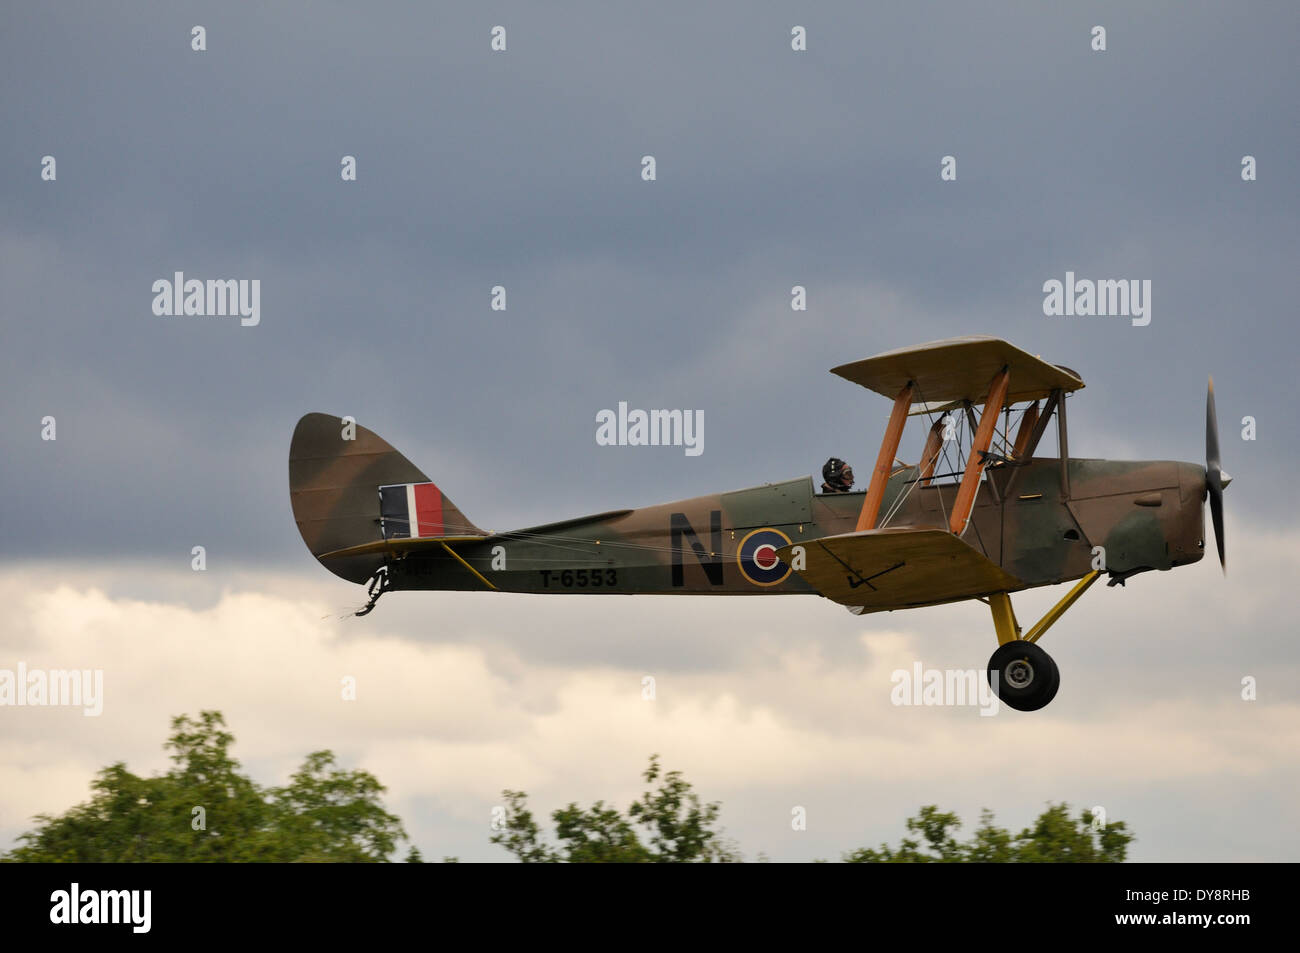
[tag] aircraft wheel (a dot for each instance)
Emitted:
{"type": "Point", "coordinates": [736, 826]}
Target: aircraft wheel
{"type": "Point", "coordinates": [1023, 675]}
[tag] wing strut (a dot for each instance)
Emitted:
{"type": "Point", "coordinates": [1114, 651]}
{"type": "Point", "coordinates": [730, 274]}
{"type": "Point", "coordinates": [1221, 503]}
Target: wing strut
{"type": "Point", "coordinates": [930, 455]}
{"type": "Point", "coordinates": [965, 502]}
{"type": "Point", "coordinates": [885, 460]}
{"type": "Point", "coordinates": [1027, 422]}
{"type": "Point", "coordinates": [1031, 445]}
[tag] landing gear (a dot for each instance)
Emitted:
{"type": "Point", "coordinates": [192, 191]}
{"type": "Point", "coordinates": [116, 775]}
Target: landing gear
{"type": "Point", "coordinates": [1023, 675]}
{"type": "Point", "coordinates": [1020, 673]}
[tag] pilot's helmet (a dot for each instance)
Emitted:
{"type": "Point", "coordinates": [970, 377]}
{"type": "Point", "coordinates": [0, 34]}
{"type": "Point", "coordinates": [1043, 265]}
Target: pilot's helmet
{"type": "Point", "coordinates": [837, 473]}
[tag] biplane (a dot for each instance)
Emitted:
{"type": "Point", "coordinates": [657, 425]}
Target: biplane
{"type": "Point", "coordinates": [982, 514]}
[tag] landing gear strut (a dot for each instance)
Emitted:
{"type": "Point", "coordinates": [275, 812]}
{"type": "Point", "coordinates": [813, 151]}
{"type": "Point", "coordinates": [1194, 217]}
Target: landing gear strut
{"type": "Point", "coordinates": [1021, 673]}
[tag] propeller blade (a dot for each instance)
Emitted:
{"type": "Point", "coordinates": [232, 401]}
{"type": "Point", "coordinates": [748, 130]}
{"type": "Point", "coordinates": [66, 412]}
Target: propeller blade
{"type": "Point", "coordinates": [1214, 482]}
{"type": "Point", "coordinates": [1216, 513]}
{"type": "Point", "coordinates": [1211, 431]}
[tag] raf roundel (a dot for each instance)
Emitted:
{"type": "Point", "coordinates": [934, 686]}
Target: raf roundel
{"type": "Point", "coordinates": [757, 557]}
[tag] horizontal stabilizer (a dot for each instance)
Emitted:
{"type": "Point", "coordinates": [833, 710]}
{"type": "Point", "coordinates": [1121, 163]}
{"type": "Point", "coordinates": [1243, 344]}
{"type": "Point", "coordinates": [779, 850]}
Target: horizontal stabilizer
{"type": "Point", "coordinates": [398, 547]}
{"type": "Point", "coordinates": [898, 568]}
{"type": "Point", "coordinates": [545, 528]}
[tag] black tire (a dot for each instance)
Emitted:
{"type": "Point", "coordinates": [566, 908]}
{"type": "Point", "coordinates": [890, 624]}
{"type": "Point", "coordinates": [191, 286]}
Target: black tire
{"type": "Point", "coordinates": [1023, 675]}
{"type": "Point", "coordinates": [1055, 684]}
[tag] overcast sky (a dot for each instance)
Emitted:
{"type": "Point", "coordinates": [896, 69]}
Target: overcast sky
{"type": "Point", "coordinates": [523, 169]}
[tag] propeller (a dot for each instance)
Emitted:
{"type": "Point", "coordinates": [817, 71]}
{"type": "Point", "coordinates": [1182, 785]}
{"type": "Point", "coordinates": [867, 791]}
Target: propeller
{"type": "Point", "coordinates": [1215, 478]}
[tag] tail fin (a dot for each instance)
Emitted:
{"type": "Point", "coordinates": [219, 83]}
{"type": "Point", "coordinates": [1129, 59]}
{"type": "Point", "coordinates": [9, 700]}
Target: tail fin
{"type": "Point", "coordinates": [334, 490]}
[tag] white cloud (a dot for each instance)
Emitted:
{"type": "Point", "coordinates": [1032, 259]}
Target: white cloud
{"type": "Point", "coordinates": [457, 700]}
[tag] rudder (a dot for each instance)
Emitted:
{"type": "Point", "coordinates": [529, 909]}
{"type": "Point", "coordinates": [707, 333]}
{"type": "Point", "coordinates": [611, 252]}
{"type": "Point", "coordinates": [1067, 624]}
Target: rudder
{"type": "Point", "coordinates": [334, 491]}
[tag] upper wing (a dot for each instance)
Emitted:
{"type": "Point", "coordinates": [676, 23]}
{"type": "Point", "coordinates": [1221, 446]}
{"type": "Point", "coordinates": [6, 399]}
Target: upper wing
{"type": "Point", "coordinates": [898, 568]}
{"type": "Point", "coordinates": [959, 369]}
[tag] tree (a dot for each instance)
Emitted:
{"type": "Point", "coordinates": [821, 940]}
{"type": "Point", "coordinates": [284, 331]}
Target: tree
{"type": "Point", "coordinates": [675, 828]}
{"type": "Point", "coordinates": [204, 810]}
{"type": "Point", "coordinates": [1054, 838]}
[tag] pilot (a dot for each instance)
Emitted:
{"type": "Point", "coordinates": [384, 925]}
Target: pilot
{"type": "Point", "coordinates": [838, 476]}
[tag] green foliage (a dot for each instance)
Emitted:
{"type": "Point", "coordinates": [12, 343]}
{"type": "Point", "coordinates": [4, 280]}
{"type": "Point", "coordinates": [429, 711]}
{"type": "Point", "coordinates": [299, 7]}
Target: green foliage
{"type": "Point", "coordinates": [326, 814]}
{"type": "Point", "coordinates": [1054, 838]}
{"type": "Point", "coordinates": [323, 814]}
{"type": "Point", "coordinates": [664, 826]}
{"type": "Point", "coordinates": [521, 834]}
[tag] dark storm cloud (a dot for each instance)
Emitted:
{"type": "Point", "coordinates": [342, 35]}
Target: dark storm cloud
{"type": "Point", "coordinates": [521, 169]}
